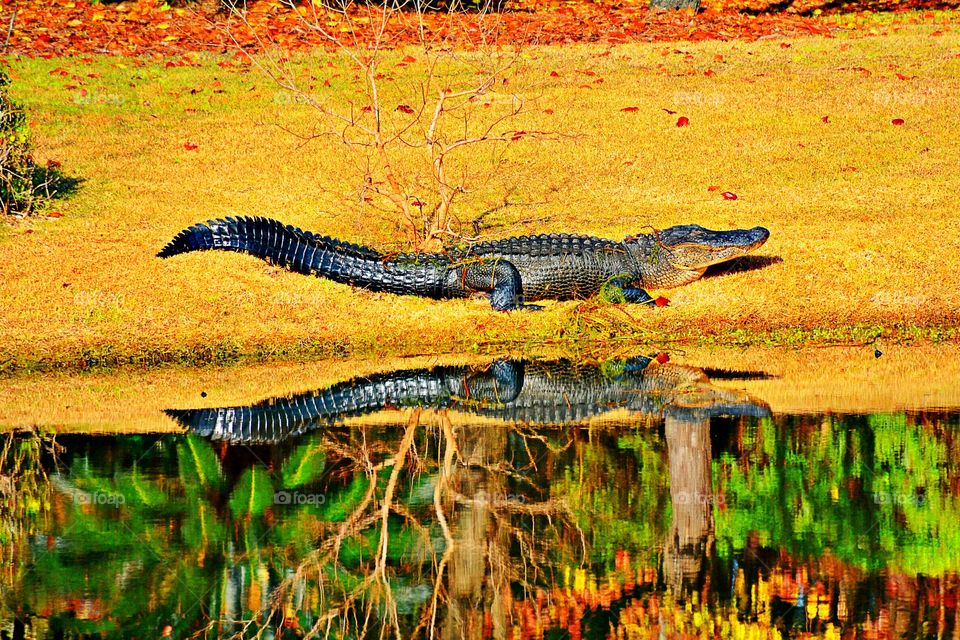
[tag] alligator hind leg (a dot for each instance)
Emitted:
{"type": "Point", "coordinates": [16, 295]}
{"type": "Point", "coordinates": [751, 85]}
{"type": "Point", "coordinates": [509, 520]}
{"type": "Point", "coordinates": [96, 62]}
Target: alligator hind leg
{"type": "Point", "coordinates": [501, 279]}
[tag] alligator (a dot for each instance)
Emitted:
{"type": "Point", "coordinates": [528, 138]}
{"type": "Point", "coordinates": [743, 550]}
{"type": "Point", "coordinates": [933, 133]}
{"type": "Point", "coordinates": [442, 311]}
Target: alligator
{"type": "Point", "coordinates": [534, 393]}
{"type": "Point", "coordinates": [512, 271]}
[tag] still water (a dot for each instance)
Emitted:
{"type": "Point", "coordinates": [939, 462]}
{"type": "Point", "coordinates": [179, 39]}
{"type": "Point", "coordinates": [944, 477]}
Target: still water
{"type": "Point", "coordinates": [634, 498]}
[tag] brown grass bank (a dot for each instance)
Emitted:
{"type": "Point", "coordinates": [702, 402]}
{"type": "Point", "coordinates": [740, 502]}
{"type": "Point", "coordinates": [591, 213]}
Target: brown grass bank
{"type": "Point", "coordinates": [862, 211]}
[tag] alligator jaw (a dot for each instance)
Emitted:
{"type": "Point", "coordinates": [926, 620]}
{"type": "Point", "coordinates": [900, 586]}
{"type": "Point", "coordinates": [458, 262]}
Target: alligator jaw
{"type": "Point", "coordinates": [693, 248]}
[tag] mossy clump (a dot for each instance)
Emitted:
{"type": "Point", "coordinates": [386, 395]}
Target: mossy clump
{"type": "Point", "coordinates": [19, 195]}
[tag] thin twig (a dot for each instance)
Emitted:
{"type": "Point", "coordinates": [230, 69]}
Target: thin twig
{"type": "Point", "coordinates": [13, 20]}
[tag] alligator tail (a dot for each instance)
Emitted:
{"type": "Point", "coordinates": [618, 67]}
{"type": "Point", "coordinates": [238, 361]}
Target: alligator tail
{"type": "Point", "coordinates": [277, 419]}
{"type": "Point", "coordinates": [310, 254]}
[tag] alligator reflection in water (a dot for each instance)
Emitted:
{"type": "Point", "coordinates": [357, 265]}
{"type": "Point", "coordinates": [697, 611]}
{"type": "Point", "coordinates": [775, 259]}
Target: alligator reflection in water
{"type": "Point", "coordinates": [536, 393]}
{"type": "Point", "coordinates": [732, 527]}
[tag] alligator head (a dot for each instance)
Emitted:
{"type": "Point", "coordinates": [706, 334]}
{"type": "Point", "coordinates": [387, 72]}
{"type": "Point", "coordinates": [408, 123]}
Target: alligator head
{"type": "Point", "coordinates": [679, 255]}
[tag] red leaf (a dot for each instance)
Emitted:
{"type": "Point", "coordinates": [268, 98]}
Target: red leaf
{"type": "Point", "coordinates": [661, 302]}
{"type": "Point", "coordinates": [366, 109]}
{"type": "Point", "coordinates": [630, 109]}
{"type": "Point", "coordinates": [417, 203]}
{"type": "Point", "coordinates": [683, 121]}
{"type": "Point", "coordinates": [554, 74]}
{"type": "Point", "coordinates": [784, 45]}
{"type": "Point", "coordinates": [713, 187]}
{"type": "Point", "coordinates": [53, 164]}
{"type": "Point", "coordinates": [729, 195]}
{"type": "Point", "coordinates": [708, 73]}
{"type": "Point", "coordinates": [409, 59]}
{"type": "Point", "coordinates": [404, 109]}
{"type": "Point", "coordinates": [549, 112]}
{"type": "Point", "coordinates": [518, 134]}
{"type": "Point", "coordinates": [54, 214]}
{"type": "Point", "coordinates": [897, 121]}
{"type": "Point", "coordinates": [59, 71]}
{"type": "Point", "coordinates": [662, 357]}
{"type": "Point", "coordinates": [825, 119]}
{"type": "Point", "coordinates": [190, 146]}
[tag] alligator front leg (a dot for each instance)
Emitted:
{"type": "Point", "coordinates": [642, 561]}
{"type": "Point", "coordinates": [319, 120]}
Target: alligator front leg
{"type": "Point", "coordinates": [621, 289]}
{"type": "Point", "coordinates": [501, 279]}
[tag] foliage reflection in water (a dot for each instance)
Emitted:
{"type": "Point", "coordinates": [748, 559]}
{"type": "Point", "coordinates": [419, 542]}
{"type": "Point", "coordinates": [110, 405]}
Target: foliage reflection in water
{"type": "Point", "coordinates": [519, 500]}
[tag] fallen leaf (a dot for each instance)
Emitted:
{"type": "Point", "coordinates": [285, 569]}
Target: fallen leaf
{"type": "Point", "coordinates": [54, 214]}
{"type": "Point", "coordinates": [662, 357]}
{"type": "Point", "coordinates": [713, 187]}
{"type": "Point", "coordinates": [190, 146]}
{"type": "Point", "coordinates": [897, 121]}
{"type": "Point", "coordinates": [661, 302]}
{"type": "Point", "coordinates": [825, 119]}
{"type": "Point", "coordinates": [683, 121]}
{"type": "Point", "coordinates": [630, 109]}
{"type": "Point", "coordinates": [405, 109]}
{"type": "Point", "coordinates": [729, 195]}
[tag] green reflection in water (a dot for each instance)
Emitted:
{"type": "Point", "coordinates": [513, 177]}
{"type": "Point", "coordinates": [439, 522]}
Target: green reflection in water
{"type": "Point", "coordinates": [797, 525]}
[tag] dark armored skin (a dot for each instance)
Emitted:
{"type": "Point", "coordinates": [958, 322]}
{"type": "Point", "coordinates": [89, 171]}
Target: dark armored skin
{"type": "Point", "coordinates": [532, 393]}
{"type": "Point", "coordinates": [512, 272]}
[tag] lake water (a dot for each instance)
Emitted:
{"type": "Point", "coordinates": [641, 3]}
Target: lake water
{"type": "Point", "coordinates": [811, 495]}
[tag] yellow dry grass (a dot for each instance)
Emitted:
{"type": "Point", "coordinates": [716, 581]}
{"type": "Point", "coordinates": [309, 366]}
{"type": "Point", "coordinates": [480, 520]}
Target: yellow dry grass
{"type": "Point", "coordinates": [861, 211]}
{"type": "Point", "coordinates": [813, 380]}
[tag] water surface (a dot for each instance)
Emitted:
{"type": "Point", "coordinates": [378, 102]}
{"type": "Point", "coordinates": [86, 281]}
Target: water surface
{"type": "Point", "coordinates": [630, 498]}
